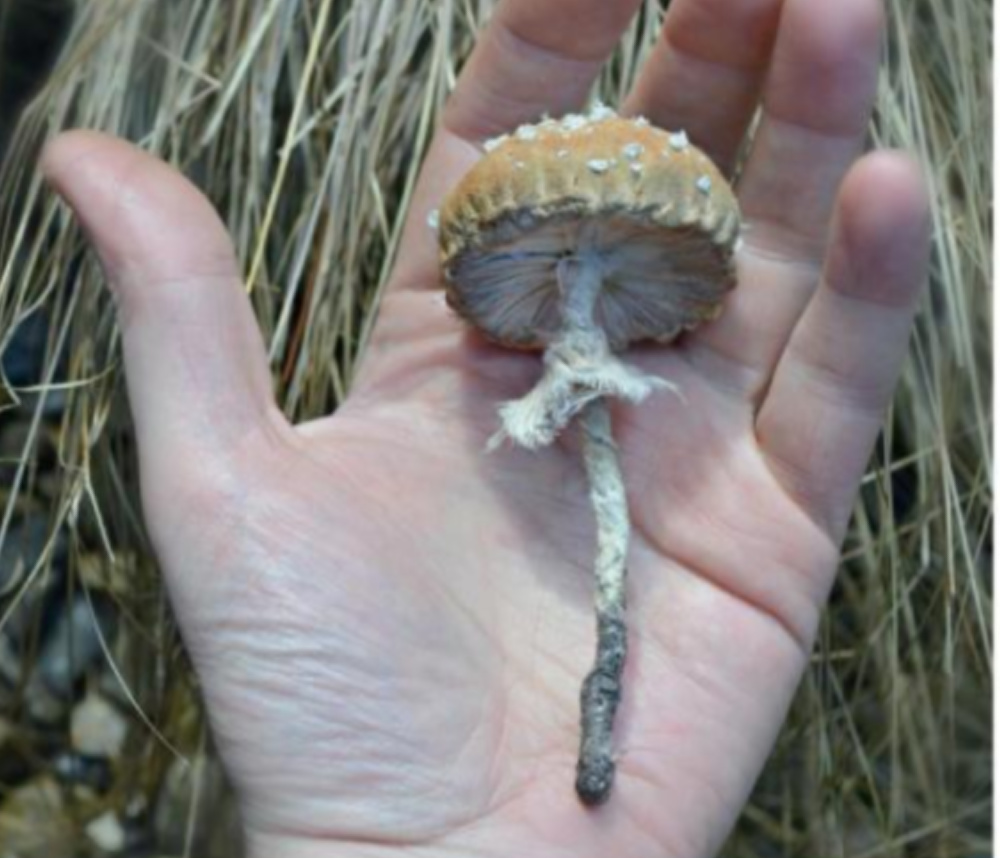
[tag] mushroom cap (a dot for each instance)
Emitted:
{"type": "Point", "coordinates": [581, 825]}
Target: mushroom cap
{"type": "Point", "coordinates": [644, 204]}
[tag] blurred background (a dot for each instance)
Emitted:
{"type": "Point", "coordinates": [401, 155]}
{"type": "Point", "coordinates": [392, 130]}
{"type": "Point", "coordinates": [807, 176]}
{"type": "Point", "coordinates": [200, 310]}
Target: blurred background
{"type": "Point", "coordinates": [305, 121]}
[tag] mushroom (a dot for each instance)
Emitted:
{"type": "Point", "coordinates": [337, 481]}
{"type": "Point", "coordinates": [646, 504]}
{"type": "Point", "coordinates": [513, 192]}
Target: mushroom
{"type": "Point", "coordinates": [578, 237]}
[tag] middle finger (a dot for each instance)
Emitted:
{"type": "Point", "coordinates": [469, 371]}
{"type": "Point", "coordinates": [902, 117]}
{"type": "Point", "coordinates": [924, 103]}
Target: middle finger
{"type": "Point", "coordinates": [706, 72]}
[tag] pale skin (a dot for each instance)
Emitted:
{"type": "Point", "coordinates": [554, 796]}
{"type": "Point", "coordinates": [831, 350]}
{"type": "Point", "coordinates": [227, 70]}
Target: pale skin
{"type": "Point", "coordinates": [390, 625]}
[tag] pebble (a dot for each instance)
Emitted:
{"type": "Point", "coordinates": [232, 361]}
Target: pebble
{"type": "Point", "coordinates": [83, 770]}
{"type": "Point", "coordinates": [35, 822]}
{"type": "Point", "coordinates": [21, 549]}
{"type": "Point", "coordinates": [97, 727]}
{"type": "Point", "coordinates": [106, 832]}
{"type": "Point", "coordinates": [72, 645]}
{"type": "Point", "coordinates": [23, 360]}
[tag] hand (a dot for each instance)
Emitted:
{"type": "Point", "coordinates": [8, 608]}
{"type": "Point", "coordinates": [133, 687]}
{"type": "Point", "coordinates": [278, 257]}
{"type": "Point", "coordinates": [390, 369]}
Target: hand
{"type": "Point", "coordinates": [390, 625]}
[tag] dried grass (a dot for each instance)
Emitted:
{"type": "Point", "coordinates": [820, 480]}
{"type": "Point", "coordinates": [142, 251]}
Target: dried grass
{"type": "Point", "coordinates": [305, 122]}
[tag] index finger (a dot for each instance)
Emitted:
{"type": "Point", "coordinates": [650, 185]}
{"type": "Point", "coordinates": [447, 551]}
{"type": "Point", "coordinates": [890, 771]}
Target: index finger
{"type": "Point", "coordinates": [534, 57]}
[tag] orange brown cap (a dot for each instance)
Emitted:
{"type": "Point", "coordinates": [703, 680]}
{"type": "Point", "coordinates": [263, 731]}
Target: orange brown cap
{"type": "Point", "coordinates": [646, 206]}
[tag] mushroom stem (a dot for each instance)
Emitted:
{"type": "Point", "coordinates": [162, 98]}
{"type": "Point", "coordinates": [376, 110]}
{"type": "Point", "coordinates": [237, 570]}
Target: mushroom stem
{"type": "Point", "coordinates": [581, 374]}
{"type": "Point", "coordinates": [601, 690]}
{"type": "Point", "coordinates": [579, 366]}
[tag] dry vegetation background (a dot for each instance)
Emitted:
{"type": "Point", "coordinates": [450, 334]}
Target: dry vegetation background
{"type": "Point", "coordinates": [305, 122]}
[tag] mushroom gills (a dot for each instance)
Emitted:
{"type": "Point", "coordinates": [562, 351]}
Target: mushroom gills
{"type": "Point", "coordinates": [656, 282]}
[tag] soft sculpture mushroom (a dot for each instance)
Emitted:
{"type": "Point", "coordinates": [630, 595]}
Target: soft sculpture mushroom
{"type": "Point", "coordinates": [577, 237]}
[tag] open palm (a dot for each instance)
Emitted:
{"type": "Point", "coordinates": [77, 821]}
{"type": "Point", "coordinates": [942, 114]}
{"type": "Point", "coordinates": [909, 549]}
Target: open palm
{"type": "Point", "coordinates": [391, 625]}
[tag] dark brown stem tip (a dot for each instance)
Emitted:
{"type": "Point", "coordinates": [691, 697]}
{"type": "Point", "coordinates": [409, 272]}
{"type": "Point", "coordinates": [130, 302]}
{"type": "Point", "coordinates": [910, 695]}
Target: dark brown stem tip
{"type": "Point", "coordinates": [594, 779]}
